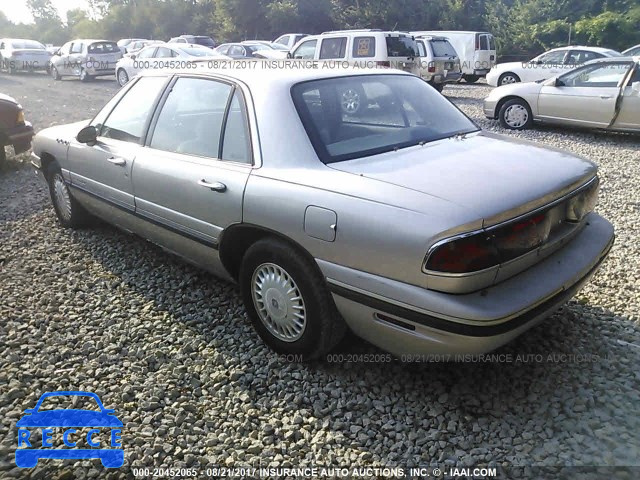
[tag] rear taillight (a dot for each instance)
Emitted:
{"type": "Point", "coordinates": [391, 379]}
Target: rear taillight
{"type": "Point", "coordinates": [469, 254]}
{"type": "Point", "coordinates": [431, 67]}
{"type": "Point", "coordinates": [583, 203]}
{"type": "Point", "coordinates": [386, 64]}
{"type": "Point", "coordinates": [522, 237]}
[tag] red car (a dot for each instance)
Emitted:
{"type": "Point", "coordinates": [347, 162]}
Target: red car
{"type": "Point", "coordinates": [14, 130]}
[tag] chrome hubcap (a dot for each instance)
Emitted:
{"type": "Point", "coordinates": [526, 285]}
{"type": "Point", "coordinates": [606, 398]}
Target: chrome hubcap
{"type": "Point", "coordinates": [61, 195]}
{"type": "Point", "coordinates": [350, 101]}
{"type": "Point", "coordinates": [123, 78]}
{"type": "Point", "coordinates": [516, 116]}
{"type": "Point", "coordinates": [507, 79]}
{"type": "Point", "coordinates": [278, 302]}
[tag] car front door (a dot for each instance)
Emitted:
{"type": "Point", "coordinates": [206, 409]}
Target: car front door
{"type": "Point", "coordinates": [75, 60]}
{"type": "Point", "coordinates": [586, 96]}
{"type": "Point", "coordinates": [629, 114]}
{"type": "Point", "coordinates": [190, 177]}
{"type": "Point", "coordinates": [103, 170]}
{"type": "Point", "coordinates": [61, 60]}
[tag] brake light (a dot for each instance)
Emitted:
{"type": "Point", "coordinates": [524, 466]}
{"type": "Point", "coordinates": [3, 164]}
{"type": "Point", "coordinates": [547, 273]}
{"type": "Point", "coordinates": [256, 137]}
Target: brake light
{"type": "Point", "coordinates": [522, 237]}
{"type": "Point", "coordinates": [386, 64]}
{"type": "Point", "coordinates": [431, 67]}
{"type": "Point", "coordinates": [468, 254]}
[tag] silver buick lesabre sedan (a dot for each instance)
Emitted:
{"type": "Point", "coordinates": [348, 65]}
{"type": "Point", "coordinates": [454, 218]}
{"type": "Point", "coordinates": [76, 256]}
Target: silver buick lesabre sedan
{"type": "Point", "coordinates": [402, 221]}
{"type": "Point", "coordinates": [603, 94]}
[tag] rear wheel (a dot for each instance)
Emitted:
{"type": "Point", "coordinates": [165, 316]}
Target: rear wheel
{"type": "Point", "coordinates": [288, 301]}
{"type": "Point", "coordinates": [508, 78]}
{"type": "Point", "coordinates": [69, 212]}
{"type": "Point", "coordinates": [123, 78]}
{"type": "Point", "coordinates": [471, 78]}
{"type": "Point", "coordinates": [515, 114]}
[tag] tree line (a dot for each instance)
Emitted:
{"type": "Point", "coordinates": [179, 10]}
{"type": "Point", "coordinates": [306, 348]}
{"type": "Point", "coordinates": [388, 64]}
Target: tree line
{"type": "Point", "coordinates": [521, 27]}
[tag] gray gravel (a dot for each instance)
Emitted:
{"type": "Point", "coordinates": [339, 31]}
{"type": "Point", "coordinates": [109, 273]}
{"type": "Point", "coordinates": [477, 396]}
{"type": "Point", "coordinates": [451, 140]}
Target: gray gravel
{"type": "Point", "coordinates": [170, 348]}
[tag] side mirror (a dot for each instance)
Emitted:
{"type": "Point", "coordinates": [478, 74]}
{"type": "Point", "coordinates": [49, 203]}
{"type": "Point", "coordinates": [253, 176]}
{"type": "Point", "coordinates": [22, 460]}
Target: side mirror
{"type": "Point", "coordinates": [558, 83]}
{"type": "Point", "coordinates": [289, 55]}
{"type": "Point", "coordinates": [88, 135]}
{"type": "Point", "coordinates": [132, 56]}
{"type": "Point", "coordinates": [538, 62]}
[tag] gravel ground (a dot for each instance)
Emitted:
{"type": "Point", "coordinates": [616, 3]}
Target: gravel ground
{"type": "Point", "coordinates": [170, 349]}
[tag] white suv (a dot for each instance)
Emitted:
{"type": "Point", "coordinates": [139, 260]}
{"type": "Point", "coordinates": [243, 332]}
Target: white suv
{"type": "Point", "coordinates": [364, 48]}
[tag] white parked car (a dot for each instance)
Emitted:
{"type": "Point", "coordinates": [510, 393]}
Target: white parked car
{"type": "Point", "coordinates": [20, 54]}
{"type": "Point", "coordinates": [602, 94]}
{"type": "Point", "coordinates": [290, 39]}
{"type": "Point", "coordinates": [164, 56]}
{"type": "Point", "coordinates": [547, 65]}
{"type": "Point", "coordinates": [476, 50]}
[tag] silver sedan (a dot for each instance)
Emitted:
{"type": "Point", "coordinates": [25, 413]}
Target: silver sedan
{"type": "Point", "coordinates": [603, 93]}
{"type": "Point", "coordinates": [402, 221]}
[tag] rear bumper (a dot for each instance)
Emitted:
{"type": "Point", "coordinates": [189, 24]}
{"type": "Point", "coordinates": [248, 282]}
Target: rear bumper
{"type": "Point", "coordinates": [409, 320]}
{"type": "Point", "coordinates": [451, 77]}
{"type": "Point", "coordinates": [20, 137]}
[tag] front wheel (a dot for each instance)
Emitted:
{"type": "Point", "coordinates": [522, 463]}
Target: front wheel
{"type": "Point", "coordinates": [515, 114]}
{"type": "Point", "coordinates": [123, 78]}
{"type": "Point", "coordinates": [288, 301]}
{"type": "Point", "coordinates": [84, 76]}
{"type": "Point", "coordinates": [54, 73]}
{"type": "Point", "coordinates": [69, 212]}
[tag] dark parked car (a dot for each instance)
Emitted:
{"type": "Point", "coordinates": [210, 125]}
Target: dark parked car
{"type": "Point", "coordinates": [14, 130]}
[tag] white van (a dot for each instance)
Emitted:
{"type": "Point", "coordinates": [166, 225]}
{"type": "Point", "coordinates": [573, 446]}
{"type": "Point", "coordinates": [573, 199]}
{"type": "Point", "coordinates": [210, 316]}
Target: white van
{"type": "Point", "coordinates": [365, 48]}
{"type": "Point", "coordinates": [476, 50]}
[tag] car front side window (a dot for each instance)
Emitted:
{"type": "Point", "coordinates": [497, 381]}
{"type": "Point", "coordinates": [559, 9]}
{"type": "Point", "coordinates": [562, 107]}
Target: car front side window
{"type": "Point", "coordinates": [598, 75]}
{"type": "Point", "coordinates": [191, 119]}
{"type": "Point", "coordinates": [306, 51]}
{"type": "Point", "coordinates": [128, 119]}
{"type": "Point", "coordinates": [552, 58]}
{"type": "Point", "coordinates": [76, 48]}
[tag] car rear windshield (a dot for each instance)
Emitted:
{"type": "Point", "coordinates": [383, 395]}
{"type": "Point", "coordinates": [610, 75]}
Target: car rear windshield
{"type": "Point", "coordinates": [361, 115]}
{"type": "Point", "coordinates": [206, 41]}
{"type": "Point", "coordinates": [401, 46]}
{"type": "Point", "coordinates": [442, 48]}
{"type": "Point", "coordinates": [103, 47]}
{"type": "Point", "coordinates": [196, 51]}
{"type": "Point", "coordinates": [32, 44]}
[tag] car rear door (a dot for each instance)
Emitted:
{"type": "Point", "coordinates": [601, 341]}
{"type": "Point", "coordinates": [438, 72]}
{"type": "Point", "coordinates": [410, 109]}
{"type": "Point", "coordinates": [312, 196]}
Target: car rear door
{"type": "Point", "coordinates": [104, 170]}
{"type": "Point", "coordinates": [629, 114]}
{"type": "Point", "coordinates": [190, 177]}
{"type": "Point", "coordinates": [588, 96]}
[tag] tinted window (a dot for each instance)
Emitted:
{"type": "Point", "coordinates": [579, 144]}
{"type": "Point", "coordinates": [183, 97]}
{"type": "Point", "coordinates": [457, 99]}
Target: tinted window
{"type": "Point", "coordinates": [306, 50]}
{"type": "Point", "coordinates": [205, 41]}
{"type": "Point", "coordinates": [484, 42]}
{"type": "Point", "coordinates": [103, 47]}
{"type": "Point", "coordinates": [357, 116]}
{"type": "Point", "coordinates": [364, 47]}
{"type": "Point", "coordinates": [127, 121]}
{"type": "Point", "coordinates": [235, 146]}
{"type": "Point", "coordinates": [492, 42]}
{"type": "Point", "coordinates": [598, 75]}
{"type": "Point", "coordinates": [580, 56]}
{"type": "Point", "coordinates": [442, 48]}
{"type": "Point", "coordinates": [191, 119]}
{"type": "Point", "coordinates": [401, 46]}
{"type": "Point", "coordinates": [333, 48]}
{"type": "Point", "coordinates": [552, 58]}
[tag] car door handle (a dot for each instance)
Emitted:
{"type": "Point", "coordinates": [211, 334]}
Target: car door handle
{"type": "Point", "coordinates": [605, 97]}
{"type": "Point", "coordinates": [215, 186]}
{"type": "Point", "coordinates": [117, 161]}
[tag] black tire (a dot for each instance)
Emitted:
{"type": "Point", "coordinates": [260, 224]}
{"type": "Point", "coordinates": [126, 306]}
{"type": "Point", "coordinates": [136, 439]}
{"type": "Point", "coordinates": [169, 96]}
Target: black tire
{"type": "Point", "coordinates": [323, 327]}
{"type": "Point", "coordinates": [471, 78]}
{"type": "Point", "coordinates": [73, 215]}
{"type": "Point", "coordinates": [438, 86]}
{"type": "Point", "coordinates": [122, 77]}
{"type": "Point", "coordinates": [54, 73]}
{"type": "Point", "coordinates": [515, 114]}
{"type": "Point", "coordinates": [507, 78]}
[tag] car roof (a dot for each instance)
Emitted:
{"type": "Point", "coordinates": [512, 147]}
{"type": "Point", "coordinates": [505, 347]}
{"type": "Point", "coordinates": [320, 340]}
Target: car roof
{"type": "Point", "coordinates": [90, 40]}
{"type": "Point", "coordinates": [635, 58]}
{"type": "Point", "coordinates": [583, 47]}
{"type": "Point", "coordinates": [273, 76]}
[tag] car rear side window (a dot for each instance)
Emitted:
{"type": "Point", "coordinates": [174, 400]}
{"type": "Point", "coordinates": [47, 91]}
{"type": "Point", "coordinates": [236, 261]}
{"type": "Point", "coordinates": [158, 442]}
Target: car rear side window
{"type": "Point", "coordinates": [401, 46]}
{"type": "Point", "coordinates": [236, 144]}
{"type": "Point", "coordinates": [191, 119]}
{"type": "Point", "coordinates": [364, 47]}
{"type": "Point", "coordinates": [333, 48]}
{"type": "Point", "coordinates": [128, 119]}
{"type": "Point", "coordinates": [103, 47]}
